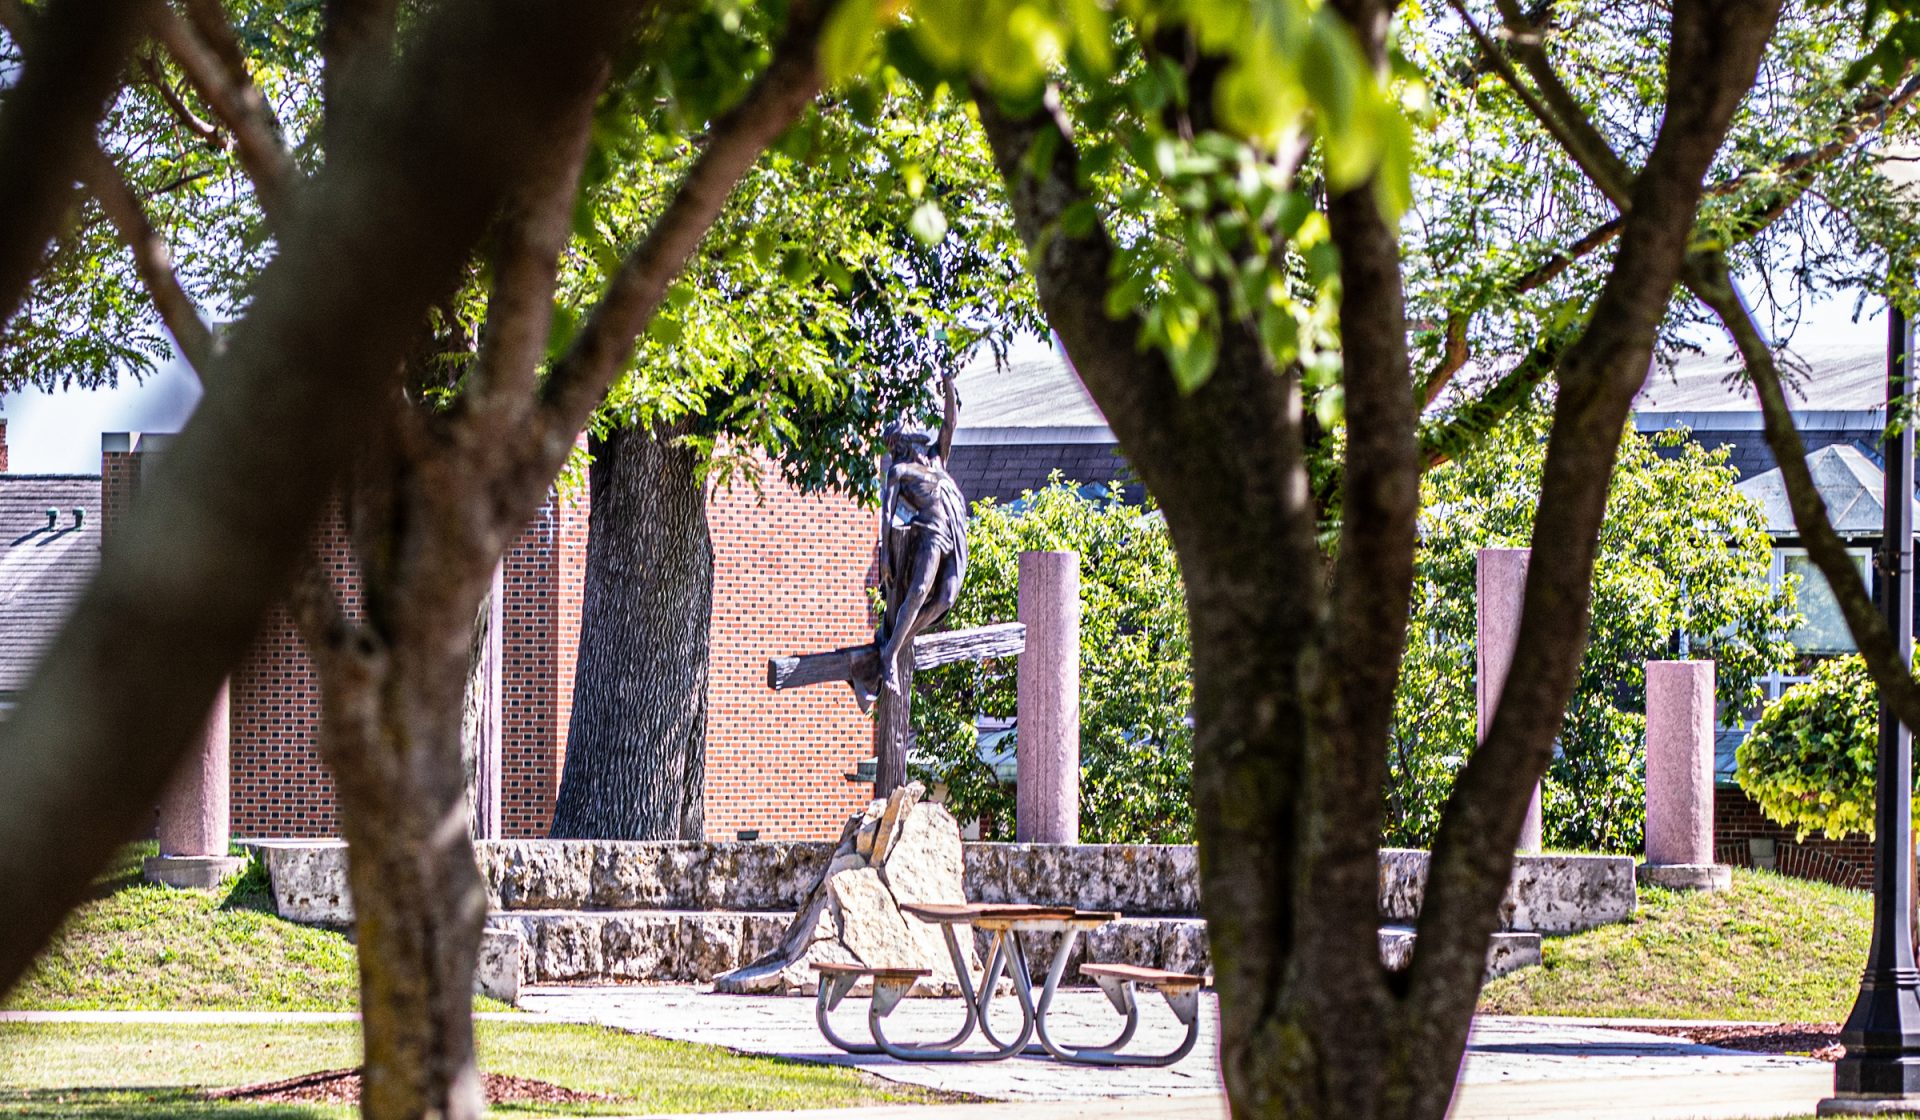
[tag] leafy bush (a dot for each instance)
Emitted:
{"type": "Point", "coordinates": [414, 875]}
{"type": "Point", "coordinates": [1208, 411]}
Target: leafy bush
{"type": "Point", "coordinates": [1809, 761]}
{"type": "Point", "coordinates": [1136, 745]}
{"type": "Point", "coordinates": [1680, 551]}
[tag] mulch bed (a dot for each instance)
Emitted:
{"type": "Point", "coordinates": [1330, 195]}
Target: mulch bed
{"type": "Point", "coordinates": [1819, 1040]}
{"type": "Point", "coordinates": [342, 1086]}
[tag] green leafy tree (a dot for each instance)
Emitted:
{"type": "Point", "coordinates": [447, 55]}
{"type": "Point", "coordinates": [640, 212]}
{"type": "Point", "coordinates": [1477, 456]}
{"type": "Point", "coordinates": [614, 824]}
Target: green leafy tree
{"type": "Point", "coordinates": [1810, 760]}
{"type": "Point", "coordinates": [861, 257]}
{"type": "Point", "coordinates": [1681, 552]}
{"type": "Point", "coordinates": [1136, 687]}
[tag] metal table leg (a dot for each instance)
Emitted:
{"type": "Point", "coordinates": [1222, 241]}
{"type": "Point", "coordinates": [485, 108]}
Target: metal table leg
{"type": "Point", "coordinates": [885, 1000]}
{"type": "Point", "coordinates": [1120, 993]}
{"type": "Point", "coordinates": [834, 988]}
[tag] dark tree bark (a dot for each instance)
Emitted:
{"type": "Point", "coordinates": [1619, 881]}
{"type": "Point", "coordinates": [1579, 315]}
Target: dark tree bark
{"type": "Point", "coordinates": [222, 523]}
{"type": "Point", "coordinates": [636, 749]}
{"type": "Point", "coordinates": [1293, 671]}
{"type": "Point", "coordinates": [75, 52]}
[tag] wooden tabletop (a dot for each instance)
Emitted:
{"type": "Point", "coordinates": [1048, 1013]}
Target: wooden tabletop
{"type": "Point", "coordinates": [1008, 915]}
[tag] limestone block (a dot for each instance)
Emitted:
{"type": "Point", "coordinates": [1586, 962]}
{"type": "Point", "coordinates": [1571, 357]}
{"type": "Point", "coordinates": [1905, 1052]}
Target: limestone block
{"type": "Point", "coordinates": [1510, 952]}
{"type": "Point", "coordinates": [569, 948]}
{"type": "Point", "coordinates": [643, 946]}
{"type": "Point", "coordinates": [899, 803]}
{"type": "Point", "coordinates": [1567, 894]}
{"type": "Point", "coordinates": [629, 876]}
{"type": "Point", "coordinates": [712, 943]}
{"type": "Point", "coordinates": [986, 871]}
{"type": "Point", "coordinates": [540, 874]}
{"type": "Point", "coordinates": [1186, 946]}
{"type": "Point", "coordinates": [1140, 879]}
{"type": "Point", "coordinates": [498, 973]}
{"type": "Point", "coordinates": [773, 875]}
{"type": "Point", "coordinates": [924, 866]}
{"type": "Point", "coordinates": [1547, 894]}
{"type": "Point", "coordinates": [310, 882]}
{"type": "Point", "coordinates": [869, 923]}
{"type": "Point", "coordinates": [1403, 881]}
{"type": "Point", "coordinates": [1040, 874]}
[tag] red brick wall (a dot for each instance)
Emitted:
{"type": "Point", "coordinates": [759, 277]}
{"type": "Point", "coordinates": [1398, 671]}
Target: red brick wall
{"type": "Point", "coordinates": [790, 575]}
{"type": "Point", "coordinates": [3, 443]}
{"type": "Point", "coordinates": [540, 638]}
{"type": "Point", "coordinates": [280, 787]}
{"type": "Point", "coordinates": [1738, 819]}
{"type": "Point", "coordinates": [119, 481]}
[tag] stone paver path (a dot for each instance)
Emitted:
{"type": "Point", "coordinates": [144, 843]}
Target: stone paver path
{"type": "Point", "coordinates": [1524, 1061]}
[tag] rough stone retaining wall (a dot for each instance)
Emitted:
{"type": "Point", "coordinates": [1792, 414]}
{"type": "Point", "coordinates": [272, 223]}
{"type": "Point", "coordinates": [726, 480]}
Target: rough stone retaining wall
{"type": "Point", "coordinates": [683, 911]}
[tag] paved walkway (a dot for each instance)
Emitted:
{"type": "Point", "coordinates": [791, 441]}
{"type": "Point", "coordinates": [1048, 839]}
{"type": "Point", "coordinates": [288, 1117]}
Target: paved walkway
{"type": "Point", "coordinates": [1515, 1067]}
{"type": "Point", "coordinates": [1541, 1069]}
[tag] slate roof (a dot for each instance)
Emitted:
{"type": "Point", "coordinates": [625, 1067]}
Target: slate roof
{"type": "Point", "coordinates": [42, 572]}
{"type": "Point", "coordinates": [1847, 373]}
{"type": "Point", "coordinates": [1035, 389]}
{"type": "Point", "coordinates": [1850, 483]}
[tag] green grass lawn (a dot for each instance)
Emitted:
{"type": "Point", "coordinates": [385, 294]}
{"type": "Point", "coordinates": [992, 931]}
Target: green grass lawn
{"type": "Point", "coordinates": [140, 946]}
{"type": "Point", "coordinates": [154, 1071]}
{"type": "Point", "coordinates": [1771, 948]}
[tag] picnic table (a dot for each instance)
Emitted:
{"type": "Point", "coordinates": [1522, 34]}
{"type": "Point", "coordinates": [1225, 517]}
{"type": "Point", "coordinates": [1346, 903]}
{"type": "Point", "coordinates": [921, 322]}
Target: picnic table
{"type": "Point", "coordinates": [1006, 955]}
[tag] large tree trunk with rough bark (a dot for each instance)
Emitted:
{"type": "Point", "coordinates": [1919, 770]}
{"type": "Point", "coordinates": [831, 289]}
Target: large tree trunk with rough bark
{"type": "Point", "coordinates": [419, 901]}
{"type": "Point", "coordinates": [636, 748]}
{"type": "Point", "coordinates": [1295, 656]}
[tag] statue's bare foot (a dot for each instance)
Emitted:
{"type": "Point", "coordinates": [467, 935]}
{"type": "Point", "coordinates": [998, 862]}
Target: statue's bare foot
{"type": "Point", "coordinates": [890, 676]}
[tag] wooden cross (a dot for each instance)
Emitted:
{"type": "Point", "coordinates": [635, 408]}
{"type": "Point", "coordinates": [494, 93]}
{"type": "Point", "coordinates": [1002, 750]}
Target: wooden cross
{"type": "Point", "coordinates": [892, 719]}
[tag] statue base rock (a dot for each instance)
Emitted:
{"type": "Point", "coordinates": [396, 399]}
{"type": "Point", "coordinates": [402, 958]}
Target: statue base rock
{"type": "Point", "coordinates": [899, 851]}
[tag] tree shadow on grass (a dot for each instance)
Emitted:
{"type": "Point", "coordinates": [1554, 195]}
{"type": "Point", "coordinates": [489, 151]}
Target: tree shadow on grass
{"type": "Point", "coordinates": [151, 1103]}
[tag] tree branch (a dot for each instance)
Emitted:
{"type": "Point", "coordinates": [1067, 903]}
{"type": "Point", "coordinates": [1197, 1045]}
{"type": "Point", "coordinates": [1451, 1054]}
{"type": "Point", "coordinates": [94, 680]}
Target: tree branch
{"type": "Point", "coordinates": [1713, 56]}
{"type": "Point", "coordinates": [208, 133]}
{"type": "Point", "coordinates": [526, 261]}
{"type": "Point", "coordinates": [1707, 278]}
{"type": "Point", "coordinates": [1576, 131]}
{"type": "Point", "coordinates": [1372, 579]}
{"type": "Point", "coordinates": [218, 74]}
{"type": "Point", "coordinates": [1873, 109]}
{"type": "Point", "coordinates": [606, 341]}
{"type": "Point", "coordinates": [74, 53]}
{"type": "Point", "coordinates": [226, 515]}
{"type": "Point", "coordinates": [151, 260]}
{"type": "Point", "coordinates": [1449, 439]}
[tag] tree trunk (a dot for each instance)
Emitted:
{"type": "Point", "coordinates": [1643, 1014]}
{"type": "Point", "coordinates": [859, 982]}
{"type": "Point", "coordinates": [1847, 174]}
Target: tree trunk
{"type": "Point", "coordinates": [636, 748]}
{"type": "Point", "coordinates": [480, 722]}
{"type": "Point", "coordinates": [392, 737]}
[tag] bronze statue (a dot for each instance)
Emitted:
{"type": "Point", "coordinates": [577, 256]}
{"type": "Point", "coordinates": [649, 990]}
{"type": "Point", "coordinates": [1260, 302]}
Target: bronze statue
{"type": "Point", "coordinates": [923, 537]}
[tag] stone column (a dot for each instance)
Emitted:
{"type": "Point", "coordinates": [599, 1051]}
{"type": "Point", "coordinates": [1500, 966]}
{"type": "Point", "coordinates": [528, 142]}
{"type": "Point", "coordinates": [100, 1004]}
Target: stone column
{"type": "Point", "coordinates": [1500, 592]}
{"type": "Point", "coordinates": [1680, 719]}
{"type": "Point", "coordinates": [194, 813]}
{"type": "Point", "coordinates": [1047, 810]}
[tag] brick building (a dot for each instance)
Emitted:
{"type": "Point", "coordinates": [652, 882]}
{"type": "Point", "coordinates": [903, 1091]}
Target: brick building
{"type": "Point", "coordinates": [790, 573]}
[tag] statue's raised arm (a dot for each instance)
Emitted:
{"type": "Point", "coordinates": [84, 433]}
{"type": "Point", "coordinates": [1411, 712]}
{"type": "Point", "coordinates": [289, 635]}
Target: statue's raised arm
{"type": "Point", "coordinates": [950, 418]}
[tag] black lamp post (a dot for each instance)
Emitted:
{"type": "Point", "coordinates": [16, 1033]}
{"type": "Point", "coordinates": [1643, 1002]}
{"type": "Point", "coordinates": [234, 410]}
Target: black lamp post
{"type": "Point", "coordinates": [1882, 1035]}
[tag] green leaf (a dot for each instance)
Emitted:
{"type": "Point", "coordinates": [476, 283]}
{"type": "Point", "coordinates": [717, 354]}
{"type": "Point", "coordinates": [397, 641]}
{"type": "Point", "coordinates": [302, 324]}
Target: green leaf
{"type": "Point", "coordinates": [848, 40]}
{"type": "Point", "coordinates": [928, 224]}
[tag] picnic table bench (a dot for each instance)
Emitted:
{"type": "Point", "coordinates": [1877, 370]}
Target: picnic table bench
{"type": "Point", "coordinates": [1006, 955]}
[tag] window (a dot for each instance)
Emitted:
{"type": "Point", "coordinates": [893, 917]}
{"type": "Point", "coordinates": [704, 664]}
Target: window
{"type": "Point", "coordinates": [1824, 630]}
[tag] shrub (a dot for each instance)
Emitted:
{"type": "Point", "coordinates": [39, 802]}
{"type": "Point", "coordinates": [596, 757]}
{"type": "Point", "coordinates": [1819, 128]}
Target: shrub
{"type": "Point", "coordinates": [1809, 761]}
{"type": "Point", "coordinates": [1680, 551]}
{"type": "Point", "coordinates": [1136, 744]}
